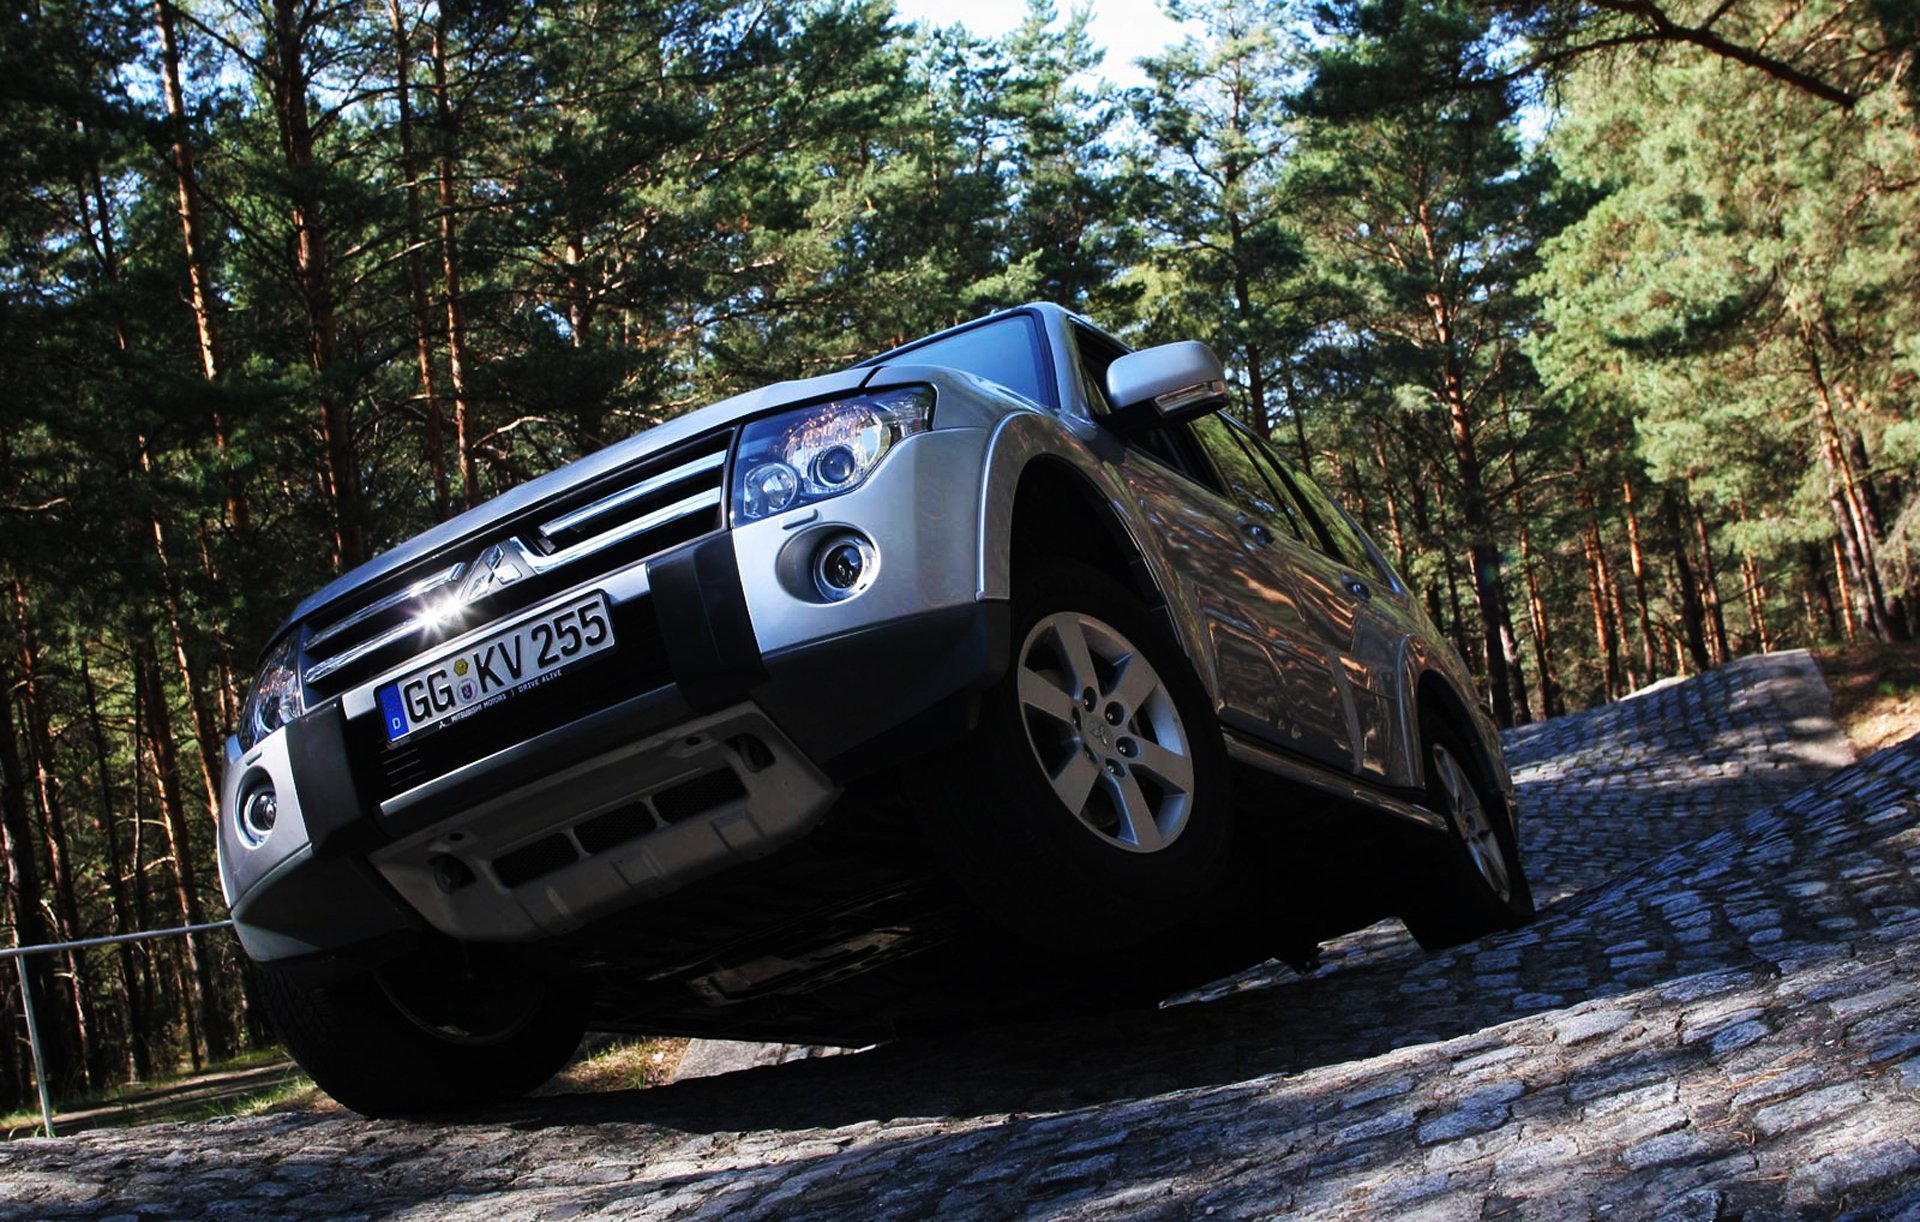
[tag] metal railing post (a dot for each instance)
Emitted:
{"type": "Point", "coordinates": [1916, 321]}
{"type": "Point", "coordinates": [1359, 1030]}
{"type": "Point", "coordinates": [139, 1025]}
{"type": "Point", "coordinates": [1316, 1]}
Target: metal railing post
{"type": "Point", "coordinates": [33, 1041]}
{"type": "Point", "coordinates": [19, 956]}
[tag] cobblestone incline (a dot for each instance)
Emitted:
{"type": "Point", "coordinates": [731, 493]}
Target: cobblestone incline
{"type": "Point", "coordinates": [1614, 785]}
{"type": "Point", "coordinates": [1730, 1028]}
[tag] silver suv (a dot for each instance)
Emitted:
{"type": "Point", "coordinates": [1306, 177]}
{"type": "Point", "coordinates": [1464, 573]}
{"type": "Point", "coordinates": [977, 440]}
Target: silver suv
{"type": "Point", "coordinates": [998, 675]}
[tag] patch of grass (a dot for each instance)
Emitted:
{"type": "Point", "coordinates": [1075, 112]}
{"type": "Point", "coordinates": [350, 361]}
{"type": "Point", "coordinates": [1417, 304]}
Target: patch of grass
{"type": "Point", "coordinates": [607, 1063]}
{"type": "Point", "coordinates": [619, 1063]}
{"type": "Point", "coordinates": [182, 1095]}
{"type": "Point", "coordinates": [1876, 692]}
{"type": "Point", "coordinates": [297, 1094]}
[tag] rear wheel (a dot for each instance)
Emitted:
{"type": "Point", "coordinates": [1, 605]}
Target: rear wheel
{"type": "Point", "coordinates": [384, 1046]}
{"type": "Point", "coordinates": [1089, 810]}
{"type": "Point", "coordinates": [1479, 886]}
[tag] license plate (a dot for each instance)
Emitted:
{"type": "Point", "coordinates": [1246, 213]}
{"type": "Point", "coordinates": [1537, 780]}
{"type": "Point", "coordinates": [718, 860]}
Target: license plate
{"type": "Point", "coordinates": [502, 665]}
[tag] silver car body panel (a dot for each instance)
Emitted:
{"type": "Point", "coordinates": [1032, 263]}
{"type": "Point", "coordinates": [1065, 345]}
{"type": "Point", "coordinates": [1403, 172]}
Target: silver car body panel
{"type": "Point", "coordinates": [244, 863]}
{"type": "Point", "coordinates": [1306, 665]}
{"type": "Point", "coordinates": [917, 509]}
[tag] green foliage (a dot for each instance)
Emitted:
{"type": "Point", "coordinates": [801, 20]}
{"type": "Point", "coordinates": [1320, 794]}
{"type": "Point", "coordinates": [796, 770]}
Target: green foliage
{"type": "Point", "coordinates": [1225, 262]}
{"type": "Point", "coordinates": [1746, 273]}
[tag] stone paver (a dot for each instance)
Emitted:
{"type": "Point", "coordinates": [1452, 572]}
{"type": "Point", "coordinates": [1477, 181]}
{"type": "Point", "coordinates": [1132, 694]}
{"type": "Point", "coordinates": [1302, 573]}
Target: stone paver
{"type": "Point", "coordinates": [1718, 1018]}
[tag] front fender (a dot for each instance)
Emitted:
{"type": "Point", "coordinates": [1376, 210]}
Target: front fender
{"type": "Point", "coordinates": [1021, 440]}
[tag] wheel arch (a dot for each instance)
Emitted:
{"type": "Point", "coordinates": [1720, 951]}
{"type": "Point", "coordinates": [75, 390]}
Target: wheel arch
{"type": "Point", "coordinates": [1436, 693]}
{"type": "Point", "coordinates": [1054, 486]}
{"type": "Point", "coordinates": [1057, 511]}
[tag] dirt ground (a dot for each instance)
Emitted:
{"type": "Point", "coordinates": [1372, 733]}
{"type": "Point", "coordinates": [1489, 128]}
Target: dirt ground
{"type": "Point", "coordinates": [1876, 692]}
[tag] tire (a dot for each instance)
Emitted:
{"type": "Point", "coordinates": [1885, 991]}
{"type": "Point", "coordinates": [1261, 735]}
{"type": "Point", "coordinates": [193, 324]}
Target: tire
{"type": "Point", "coordinates": [1478, 886]}
{"type": "Point", "coordinates": [382, 1058]}
{"type": "Point", "coordinates": [1087, 824]}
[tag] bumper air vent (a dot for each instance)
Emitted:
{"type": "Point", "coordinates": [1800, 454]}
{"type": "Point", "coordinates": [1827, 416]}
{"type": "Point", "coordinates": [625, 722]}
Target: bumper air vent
{"type": "Point", "coordinates": [536, 860]}
{"type": "Point", "coordinates": [616, 827]}
{"type": "Point", "coordinates": [698, 796]}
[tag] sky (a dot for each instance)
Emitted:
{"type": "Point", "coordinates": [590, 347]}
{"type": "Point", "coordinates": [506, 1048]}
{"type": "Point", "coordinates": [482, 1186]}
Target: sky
{"type": "Point", "coordinates": [1125, 29]}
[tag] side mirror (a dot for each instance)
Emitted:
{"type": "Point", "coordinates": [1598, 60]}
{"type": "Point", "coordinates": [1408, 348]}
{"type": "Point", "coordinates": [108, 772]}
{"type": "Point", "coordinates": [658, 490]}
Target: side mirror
{"type": "Point", "coordinates": [1159, 385]}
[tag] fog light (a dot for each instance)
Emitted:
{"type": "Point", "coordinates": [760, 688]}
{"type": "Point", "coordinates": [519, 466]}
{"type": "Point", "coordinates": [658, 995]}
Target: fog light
{"type": "Point", "coordinates": [844, 566]}
{"type": "Point", "coordinates": [259, 810]}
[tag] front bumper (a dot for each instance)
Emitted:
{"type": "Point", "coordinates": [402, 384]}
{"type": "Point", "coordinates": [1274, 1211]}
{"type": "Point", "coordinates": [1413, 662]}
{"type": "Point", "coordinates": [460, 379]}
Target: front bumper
{"type": "Point", "coordinates": [737, 746]}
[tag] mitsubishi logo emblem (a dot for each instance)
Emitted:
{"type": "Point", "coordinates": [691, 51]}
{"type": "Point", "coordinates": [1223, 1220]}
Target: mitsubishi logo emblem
{"type": "Point", "coordinates": [500, 565]}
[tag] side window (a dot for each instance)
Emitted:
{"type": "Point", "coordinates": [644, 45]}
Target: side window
{"type": "Point", "coordinates": [1349, 543]}
{"type": "Point", "coordinates": [1240, 471]}
{"type": "Point", "coordinates": [1308, 514]}
{"type": "Point", "coordinates": [1096, 353]}
{"type": "Point", "coordinates": [1171, 444]}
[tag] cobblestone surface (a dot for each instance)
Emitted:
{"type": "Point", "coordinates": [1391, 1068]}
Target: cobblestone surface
{"type": "Point", "coordinates": [1719, 1018]}
{"type": "Point", "coordinates": [1612, 786]}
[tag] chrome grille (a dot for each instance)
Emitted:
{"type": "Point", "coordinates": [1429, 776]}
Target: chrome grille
{"type": "Point", "coordinates": [569, 526]}
{"type": "Point", "coordinates": [636, 512]}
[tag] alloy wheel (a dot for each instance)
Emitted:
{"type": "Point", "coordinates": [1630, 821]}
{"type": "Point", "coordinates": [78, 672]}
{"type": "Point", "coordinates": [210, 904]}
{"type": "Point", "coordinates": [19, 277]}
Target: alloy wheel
{"type": "Point", "coordinates": [1473, 824]}
{"type": "Point", "coordinates": [1105, 732]}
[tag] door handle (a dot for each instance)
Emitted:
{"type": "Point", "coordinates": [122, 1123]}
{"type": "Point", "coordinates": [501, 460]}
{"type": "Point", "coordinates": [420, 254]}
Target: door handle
{"type": "Point", "coordinates": [1356, 587]}
{"type": "Point", "coordinates": [1254, 530]}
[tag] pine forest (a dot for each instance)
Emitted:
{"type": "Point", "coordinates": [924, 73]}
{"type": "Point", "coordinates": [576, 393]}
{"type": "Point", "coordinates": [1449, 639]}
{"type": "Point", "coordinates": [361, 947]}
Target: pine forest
{"type": "Point", "coordinates": [1602, 316]}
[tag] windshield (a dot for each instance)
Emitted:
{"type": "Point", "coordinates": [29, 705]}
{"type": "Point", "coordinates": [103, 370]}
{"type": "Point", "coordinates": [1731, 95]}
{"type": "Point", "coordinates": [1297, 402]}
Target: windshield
{"type": "Point", "coordinates": [1006, 351]}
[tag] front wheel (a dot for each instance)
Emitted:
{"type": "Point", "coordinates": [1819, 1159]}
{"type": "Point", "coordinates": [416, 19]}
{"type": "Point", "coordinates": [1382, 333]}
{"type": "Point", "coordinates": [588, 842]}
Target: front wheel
{"type": "Point", "coordinates": [383, 1046]}
{"type": "Point", "coordinates": [1478, 885]}
{"type": "Point", "coordinates": [1088, 812]}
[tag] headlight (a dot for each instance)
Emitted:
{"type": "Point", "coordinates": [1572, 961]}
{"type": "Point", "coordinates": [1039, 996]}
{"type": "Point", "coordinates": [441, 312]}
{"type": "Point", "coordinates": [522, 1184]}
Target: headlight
{"type": "Point", "coordinates": [276, 697]}
{"type": "Point", "coordinates": [817, 452]}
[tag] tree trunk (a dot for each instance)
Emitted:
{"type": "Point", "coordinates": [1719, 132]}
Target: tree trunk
{"type": "Point", "coordinates": [416, 269]}
{"type": "Point", "coordinates": [463, 438]}
{"type": "Point", "coordinates": [1693, 614]}
{"type": "Point", "coordinates": [1386, 481]}
{"type": "Point", "coordinates": [1516, 670]}
{"type": "Point", "coordinates": [1243, 313]}
{"type": "Point", "coordinates": [1855, 507]}
{"type": "Point", "coordinates": [1604, 637]}
{"type": "Point", "coordinates": [1619, 603]}
{"type": "Point", "coordinates": [206, 730]}
{"type": "Point", "coordinates": [1710, 588]}
{"type": "Point", "coordinates": [149, 1034]}
{"type": "Point", "coordinates": [1552, 704]}
{"type": "Point", "coordinates": [590, 420]}
{"type": "Point", "coordinates": [1846, 593]}
{"type": "Point", "coordinates": [1483, 551]}
{"type": "Point", "coordinates": [1637, 555]}
{"type": "Point", "coordinates": [1606, 606]}
{"type": "Point", "coordinates": [1299, 418]}
{"type": "Point", "coordinates": [210, 1015]}
{"type": "Point", "coordinates": [1756, 603]}
{"type": "Point", "coordinates": [313, 273]}
{"type": "Point", "coordinates": [1547, 685]}
{"type": "Point", "coordinates": [138, 1018]}
{"type": "Point", "coordinates": [1813, 566]}
{"type": "Point", "coordinates": [200, 293]}
{"type": "Point", "coordinates": [79, 993]}
{"type": "Point", "coordinates": [59, 1041]}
